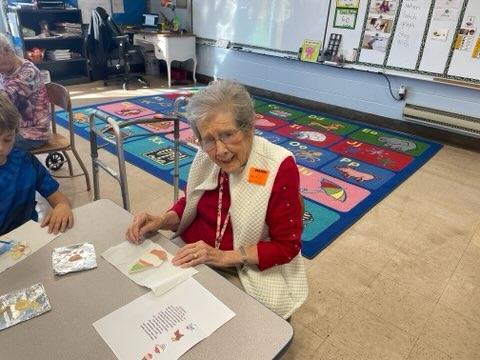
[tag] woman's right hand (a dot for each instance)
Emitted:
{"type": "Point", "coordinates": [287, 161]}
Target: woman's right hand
{"type": "Point", "coordinates": [142, 223]}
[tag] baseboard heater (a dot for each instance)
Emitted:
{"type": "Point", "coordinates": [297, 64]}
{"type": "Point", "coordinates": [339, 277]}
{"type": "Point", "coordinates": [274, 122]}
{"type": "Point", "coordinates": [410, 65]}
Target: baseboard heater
{"type": "Point", "coordinates": [463, 124]}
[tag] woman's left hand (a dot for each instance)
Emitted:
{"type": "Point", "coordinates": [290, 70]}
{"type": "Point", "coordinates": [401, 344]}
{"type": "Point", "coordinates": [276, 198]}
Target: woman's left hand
{"type": "Point", "coordinates": [199, 253]}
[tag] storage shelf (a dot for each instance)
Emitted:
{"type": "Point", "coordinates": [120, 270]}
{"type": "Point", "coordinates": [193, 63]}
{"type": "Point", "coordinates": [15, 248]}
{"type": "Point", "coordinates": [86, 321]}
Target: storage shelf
{"type": "Point", "coordinates": [51, 62]}
{"type": "Point", "coordinates": [53, 38]}
{"type": "Point", "coordinates": [46, 11]}
{"type": "Point", "coordinates": [67, 71]}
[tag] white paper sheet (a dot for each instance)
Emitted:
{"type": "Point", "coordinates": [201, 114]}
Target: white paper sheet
{"type": "Point", "coordinates": [160, 279]}
{"type": "Point", "coordinates": [87, 6]}
{"type": "Point", "coordinates": [31, 233]}
{"type": "Point", "coordinates": [117, 6]}
{"type": "Point", "coordinates": [166, 326]}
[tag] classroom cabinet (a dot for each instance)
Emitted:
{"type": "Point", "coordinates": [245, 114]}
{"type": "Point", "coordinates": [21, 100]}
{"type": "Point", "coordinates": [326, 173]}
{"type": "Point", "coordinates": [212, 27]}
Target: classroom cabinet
{"type": "Point", "coordinates": [64, 53]}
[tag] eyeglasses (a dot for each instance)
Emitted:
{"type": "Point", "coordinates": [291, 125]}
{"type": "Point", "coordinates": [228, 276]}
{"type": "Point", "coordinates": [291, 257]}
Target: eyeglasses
{"type": "Point", "coordinates": [227, 138]}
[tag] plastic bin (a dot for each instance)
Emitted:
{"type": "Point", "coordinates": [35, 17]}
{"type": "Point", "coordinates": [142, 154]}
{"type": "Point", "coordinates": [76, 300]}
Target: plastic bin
{"type": "Point", "coordinates": [151, 64]}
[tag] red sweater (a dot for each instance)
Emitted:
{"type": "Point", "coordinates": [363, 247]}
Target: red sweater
{"type": "Point", "coordinates": [284, 218]}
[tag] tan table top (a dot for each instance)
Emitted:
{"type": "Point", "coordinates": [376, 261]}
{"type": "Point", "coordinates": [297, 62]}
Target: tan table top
{"type": "Point", "coordinates": [79, 299]}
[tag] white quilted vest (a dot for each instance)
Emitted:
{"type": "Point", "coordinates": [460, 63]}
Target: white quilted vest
{"type": "Point", "coordinates": [282, 288]}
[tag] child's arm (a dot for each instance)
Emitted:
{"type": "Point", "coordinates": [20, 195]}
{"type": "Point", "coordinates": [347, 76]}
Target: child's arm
{"type": "Point", "coordinates": [61, 215]}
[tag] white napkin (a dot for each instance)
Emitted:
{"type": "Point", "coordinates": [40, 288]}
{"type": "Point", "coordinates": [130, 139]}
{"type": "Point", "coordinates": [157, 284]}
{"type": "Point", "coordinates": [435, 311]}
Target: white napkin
{"type": "Point", "coordinates": [159, 279]}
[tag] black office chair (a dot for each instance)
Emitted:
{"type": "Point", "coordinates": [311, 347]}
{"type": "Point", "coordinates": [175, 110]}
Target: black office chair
{"type": "Point", "coordinates": [121, 58]}
{"type": "Point", "coordinates": [107, 45]}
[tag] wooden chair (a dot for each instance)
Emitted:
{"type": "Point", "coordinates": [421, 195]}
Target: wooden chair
{"type": "Point", "coordinates": [58, 144]}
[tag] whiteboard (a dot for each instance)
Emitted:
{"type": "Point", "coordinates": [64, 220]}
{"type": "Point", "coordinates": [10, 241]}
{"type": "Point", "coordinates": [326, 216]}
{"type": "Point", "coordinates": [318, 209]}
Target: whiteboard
{"type": "Point", "coordinates": [270, 24]}
{"type": "Point", "coordinates": [440, 36]}
{"type": "Point", "coordinates": [466, 55]}
{"type": "Point", "coordinates": [409, 32]}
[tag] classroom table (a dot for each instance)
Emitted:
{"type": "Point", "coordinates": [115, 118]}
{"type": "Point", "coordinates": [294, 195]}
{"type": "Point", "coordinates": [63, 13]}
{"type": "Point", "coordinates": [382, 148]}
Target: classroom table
{"type": "Point", "coordinates": [79, 299]}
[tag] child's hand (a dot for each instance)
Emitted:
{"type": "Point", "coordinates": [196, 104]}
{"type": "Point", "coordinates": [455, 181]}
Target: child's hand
{"type": "Point", "coordinates": [59, 219]}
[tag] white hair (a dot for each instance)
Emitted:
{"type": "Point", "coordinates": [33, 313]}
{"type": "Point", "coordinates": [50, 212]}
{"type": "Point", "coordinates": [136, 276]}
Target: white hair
{"type": "Point", "coordinates": [222, 96]}
{"type": "Point", "coordinates": [6, 48]}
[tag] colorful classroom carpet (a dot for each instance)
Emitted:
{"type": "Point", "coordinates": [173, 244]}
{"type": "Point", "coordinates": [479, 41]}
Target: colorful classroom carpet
{"type": "Point", "coordinates": [346, 167]}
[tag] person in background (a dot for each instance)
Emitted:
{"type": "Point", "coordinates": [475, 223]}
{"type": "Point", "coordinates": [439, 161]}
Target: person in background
{"type": "Point", "coordinates": [22, 82]}
{"type": "Point", "coordinates": [242, 212]}
{"type": "Point", "coordinates": [21, 175]}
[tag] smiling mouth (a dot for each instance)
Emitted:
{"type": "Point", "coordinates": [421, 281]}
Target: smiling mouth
{"type": "Point", "coordinates": [226, 161]}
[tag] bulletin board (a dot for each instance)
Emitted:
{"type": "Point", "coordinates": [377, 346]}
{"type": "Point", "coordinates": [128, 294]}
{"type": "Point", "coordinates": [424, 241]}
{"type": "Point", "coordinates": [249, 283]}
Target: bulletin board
{"type": "Point", "coordinates": [420, 38]}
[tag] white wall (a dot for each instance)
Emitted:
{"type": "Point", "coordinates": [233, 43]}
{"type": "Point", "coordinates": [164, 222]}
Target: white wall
{"type": "Point", "coordinates": [353, 89]}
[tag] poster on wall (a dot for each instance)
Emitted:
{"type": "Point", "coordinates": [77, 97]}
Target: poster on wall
{"type": "Point", "coordinates": [445, 14]}
{"type": "Point", "coordinates": [409, 32]}
{"type": "Point", "coordinates": [345, 18]}
{"type": "Point", "coordinates": [464, 61]}
{"type": "Point", "coordinates": [440, 36]}
{"type": "Point", "coordinates": [375, 42]}
{"type": "Point", "coordinates": [378, 30]}
{"type": "Point", "coordinates": [310, 50]}
{"type": "Point", "coordinates": [383, 7]}
{"type": "Point", "coordinates": [379, 24]}
{"type": "Point", "coordinates": [352, 4]}
{"type": "Point", "coordinates": [87, 6]}
{"type": "Point", "coordinates": [466, 35]}
{"type": "Point", "coordinates": [118, 7]}
{"type": "Point", "coordinates": [455, 4]}
{"type": "Point", "coordinates": [476, 49]}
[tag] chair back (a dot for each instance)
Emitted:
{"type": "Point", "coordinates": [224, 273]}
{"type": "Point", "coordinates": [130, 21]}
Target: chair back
{"type": "Point", "coordinates": [58, 95]}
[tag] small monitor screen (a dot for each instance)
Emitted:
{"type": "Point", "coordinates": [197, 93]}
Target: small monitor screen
{"type": "Point", "coordinates": [150, 20]}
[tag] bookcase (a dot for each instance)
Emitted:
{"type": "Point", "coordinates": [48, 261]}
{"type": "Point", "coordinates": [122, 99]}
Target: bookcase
{"type": "Point", "coordinates": [63, 71]}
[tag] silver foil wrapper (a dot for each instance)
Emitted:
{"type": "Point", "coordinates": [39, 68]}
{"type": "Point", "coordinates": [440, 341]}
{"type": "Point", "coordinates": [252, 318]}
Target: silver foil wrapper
{"type": "Point", "coordinates": [73, 258]}
{"type": "Point", "coordinates": [22, 305]}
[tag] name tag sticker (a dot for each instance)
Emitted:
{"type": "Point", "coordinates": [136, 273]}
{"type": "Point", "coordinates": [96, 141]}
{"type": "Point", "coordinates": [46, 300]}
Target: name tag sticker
{"type": "Point", "coordinates": [257, 176]}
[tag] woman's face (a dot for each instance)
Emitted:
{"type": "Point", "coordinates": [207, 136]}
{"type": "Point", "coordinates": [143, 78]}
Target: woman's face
{"type": "Point", "coordinates": [232, 153]}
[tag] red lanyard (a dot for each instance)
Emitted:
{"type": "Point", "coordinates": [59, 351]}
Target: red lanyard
{"type": "Point", "coordinates": [219, 233]}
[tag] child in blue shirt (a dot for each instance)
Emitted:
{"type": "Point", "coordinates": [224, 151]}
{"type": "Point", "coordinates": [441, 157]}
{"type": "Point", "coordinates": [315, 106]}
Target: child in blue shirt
{"type": "Point", "coordinates": [21, 174]}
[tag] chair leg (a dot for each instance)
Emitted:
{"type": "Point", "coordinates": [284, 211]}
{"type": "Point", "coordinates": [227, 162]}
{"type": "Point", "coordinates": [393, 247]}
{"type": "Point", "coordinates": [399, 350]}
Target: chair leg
{"type": "Point", "coordinates": [69, 162]}
{"type": "Point", "coordinates": [84, 169]}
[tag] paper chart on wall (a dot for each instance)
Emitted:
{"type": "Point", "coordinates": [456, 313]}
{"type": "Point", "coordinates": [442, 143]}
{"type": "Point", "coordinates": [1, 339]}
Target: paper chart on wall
{"type": "Point", "coordinates": [440, 36]}
{"type": "Point", "coordinates": [166, 326]}
{"type": "Point", "coordinates": [378, 31]}
{"type": "Point", "coordinates": [409, 31]}
{"type": "Point", "coordinates": [118, 7]}
{"type": "Point", "coordinates": [159, 278]}
{"type": "Point", "coordinates": [87, 6]}
{"type": "Point", "coordinates": [22, 242]}
{"type": "Point", "coordinates": [465, 60]}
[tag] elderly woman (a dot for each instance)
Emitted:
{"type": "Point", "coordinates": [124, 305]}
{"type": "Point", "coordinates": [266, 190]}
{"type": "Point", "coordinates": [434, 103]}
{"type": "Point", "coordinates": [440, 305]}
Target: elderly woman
{"type": "Point", "coordinates": [23, 85]}
{"type": "Point", "coordinates": [242, 209]}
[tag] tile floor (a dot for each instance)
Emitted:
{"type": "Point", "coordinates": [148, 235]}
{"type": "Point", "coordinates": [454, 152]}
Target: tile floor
{"type": "Point", "coordinates": [402, 283]}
